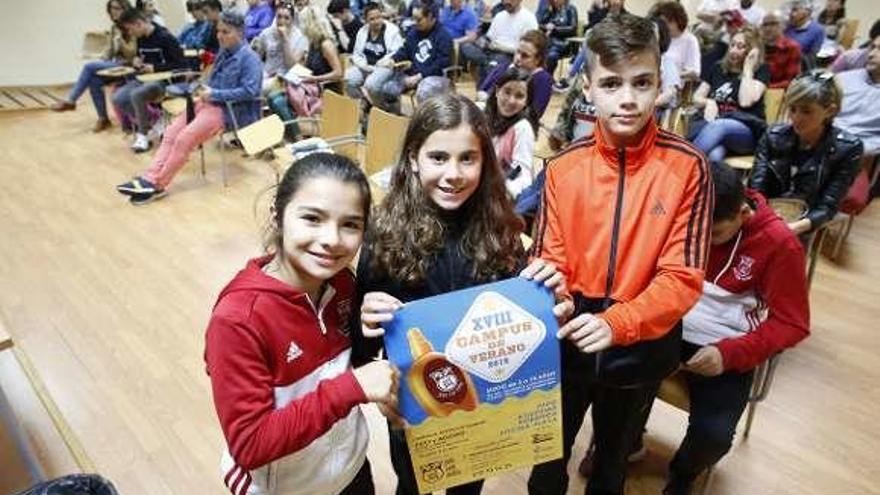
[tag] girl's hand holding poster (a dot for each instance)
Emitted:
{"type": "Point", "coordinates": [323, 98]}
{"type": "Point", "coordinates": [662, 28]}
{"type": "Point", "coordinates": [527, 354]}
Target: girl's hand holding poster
{"type": "Point", "coordinates": [480, 381]}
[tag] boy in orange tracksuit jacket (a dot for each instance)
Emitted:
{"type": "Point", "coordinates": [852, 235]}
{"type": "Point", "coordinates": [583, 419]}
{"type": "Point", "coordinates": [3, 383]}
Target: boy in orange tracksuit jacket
{"type": "Point", "coordinates": [626, 216]}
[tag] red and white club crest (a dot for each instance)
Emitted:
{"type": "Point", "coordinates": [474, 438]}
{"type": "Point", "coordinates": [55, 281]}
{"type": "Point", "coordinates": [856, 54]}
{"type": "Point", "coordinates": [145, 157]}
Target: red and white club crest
{"type": "Point", "coordinates": [743, 269]}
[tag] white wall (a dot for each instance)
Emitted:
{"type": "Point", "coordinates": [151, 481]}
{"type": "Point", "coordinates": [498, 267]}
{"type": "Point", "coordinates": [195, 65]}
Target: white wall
{"type": "Point", "coordinates": [42, 40]}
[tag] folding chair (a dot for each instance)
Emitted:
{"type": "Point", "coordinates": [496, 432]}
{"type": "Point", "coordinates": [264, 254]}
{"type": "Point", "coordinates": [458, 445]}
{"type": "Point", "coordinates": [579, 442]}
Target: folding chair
{"type": "Point", "coordinates": [385, 135]}
{"type": "Point", "coordinates": [848, 33]}
{"type": "Point", "coordinates": [95, 43]}
{"type": "Point", "coordinates": [338, 125]}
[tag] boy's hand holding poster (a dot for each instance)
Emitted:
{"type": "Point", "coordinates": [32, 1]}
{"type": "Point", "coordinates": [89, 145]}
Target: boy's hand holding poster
{"type": "Point", "coordinates": [480, 381]}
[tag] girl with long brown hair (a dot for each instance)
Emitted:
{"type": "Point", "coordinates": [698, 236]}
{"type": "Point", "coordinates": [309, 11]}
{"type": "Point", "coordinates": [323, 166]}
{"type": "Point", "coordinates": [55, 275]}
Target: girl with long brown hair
{"type": "Point", "coordinates": [446, 224]}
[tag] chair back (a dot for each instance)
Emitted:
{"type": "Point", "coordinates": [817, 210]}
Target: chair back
{"type": "Point", "coordinates": [773, 107]}
{"type": "Point", "coordinates": [261, 135]}
{"type": "Point", "coordinates": [848, 33]}
{"type": "Point", "coordinates": [95, 43]}
{"type": "Point", "coordinates": [340, 117]}
{"type": "Point", "coordinates": [385, 134]}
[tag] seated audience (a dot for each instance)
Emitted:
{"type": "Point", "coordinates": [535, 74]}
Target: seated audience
{"type": "Point", "coordinates": [345, 24]}
{"type": "Point", "coordinates": [782, 54]}
{"type": "Point", "coordinates": [599, 9]}
{"type": "Point", "coordinates": [576, 119]}
{"type": "Point", "coordinates": [121, 51]}
{"type": "Point", "coordinates": [322, 58]}
{"type": "Point", "coordinates": [460, 21]}
{"type": "Point", "coordinates": [501, 40]}
{"type": "Point", "coordinates": [513, 128]}
{"type": "Point", "coordinates": [281, 46]}
{"type": "Point", "coordinates": [808, 159]}
{"type": "Point", "coordinates": [374, 41]}
{"type": "Point", "coordinates": [670, 73]}
{"type": "Point", "coordinates": [831, 18]}
{"type": "Point", "coordinates": [148, 7]}
{"type": "Point", "coordinates": [323, 64]}
{"type": "Point", "coordinates": [393, 10]}
{"type": "Point", "coordinates": [530, 57]}
{"type": "Point", "coordinates": [754, 305]}
{"type": "Point", "coordinates": [713, 51]}
{"type": "Point", "coordinates": [194, 34]}
{"type": "Point", "coordinates": [235, 79]}
{"type": "Point", "coordinates": [211, 9]}
{"type": "Point", "coordinates": [559, 21]}
{"type": "Point", "coordinates": [732, 97]}
{"type": "Point", "coordinates": [860, 110]}
{"type": "Point", "coordinates": [752, 13]}
{"type": "Point", "coordinates": [418, 64]}
{"type": "Point", "coordinates": [684, 48]}
{"type": "Point", "coordinates": [259, 16]}
{"type": "Point", "coordinates": [856, 57]}
{"type": "Point", "coordinates": [710, 19]}
{"type": "Point", "coordinates": [158, 51]}
{"type": "Point", "coordinates": [234, 6]}
{"type": "Point", "coordinates": [804, 30]}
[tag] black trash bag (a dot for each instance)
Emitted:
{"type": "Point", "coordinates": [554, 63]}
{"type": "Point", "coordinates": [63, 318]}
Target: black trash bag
{"type": "Point", "coordinates": [74, 484]}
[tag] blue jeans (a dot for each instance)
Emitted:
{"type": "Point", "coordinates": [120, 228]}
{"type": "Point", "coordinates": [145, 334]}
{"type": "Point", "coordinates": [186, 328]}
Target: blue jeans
{"type": "Point", "coordinates": [555, 50]}
{"type": "Point", "coordinates": [578, 62]}
{"type": "Point", "coordinates": [89, 79]}
{"type": "Point", "coordinates": [723, 135]}
{"type": "Point", "coordinates": [386, 85]}
{"type": "Point", "coordinates": [133, 97]}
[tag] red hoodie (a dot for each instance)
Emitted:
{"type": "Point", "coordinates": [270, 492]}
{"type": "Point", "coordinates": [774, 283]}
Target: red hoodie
{"type": "Point", "coordinates": [283, 386]}
{"type": "Point", "coordinates": [754, 301]}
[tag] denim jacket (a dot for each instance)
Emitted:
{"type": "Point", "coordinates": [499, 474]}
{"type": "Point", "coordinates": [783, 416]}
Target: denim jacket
{"type": "Point", "coordinates": [237, 78]}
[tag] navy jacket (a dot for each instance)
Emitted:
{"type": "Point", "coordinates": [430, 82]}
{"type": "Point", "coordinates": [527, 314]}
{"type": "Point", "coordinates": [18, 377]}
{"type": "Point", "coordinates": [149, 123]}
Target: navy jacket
{"type": "Point", "coordinates": [161, 49]}
{"type": "Point", "coordinates": [429, 52]}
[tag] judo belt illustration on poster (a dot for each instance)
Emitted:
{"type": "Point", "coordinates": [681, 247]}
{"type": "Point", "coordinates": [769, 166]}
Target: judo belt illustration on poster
{"type": "Point", "coordinates": [480, 381]}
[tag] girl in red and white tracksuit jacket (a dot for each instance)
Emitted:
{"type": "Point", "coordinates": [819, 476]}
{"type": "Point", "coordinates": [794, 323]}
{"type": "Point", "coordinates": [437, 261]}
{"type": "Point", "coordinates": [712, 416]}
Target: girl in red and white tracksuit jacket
{"type": "Point", "coordinates": [278, 348]}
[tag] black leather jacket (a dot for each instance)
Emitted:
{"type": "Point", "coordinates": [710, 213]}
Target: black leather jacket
{"type": "Point", "coordinates": [822, 180]}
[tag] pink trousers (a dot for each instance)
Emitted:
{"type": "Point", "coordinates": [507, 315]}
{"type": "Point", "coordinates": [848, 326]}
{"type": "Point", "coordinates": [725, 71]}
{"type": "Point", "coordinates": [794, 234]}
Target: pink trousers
{"type": "Point", "coordinates": [180, 140]}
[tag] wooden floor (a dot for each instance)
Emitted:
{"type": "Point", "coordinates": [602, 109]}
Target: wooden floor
{"type": "Point", "coordinates": [110, 303]}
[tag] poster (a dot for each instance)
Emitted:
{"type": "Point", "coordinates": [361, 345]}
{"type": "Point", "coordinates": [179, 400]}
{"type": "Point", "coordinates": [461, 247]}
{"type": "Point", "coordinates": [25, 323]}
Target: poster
{"type": "Point", "coordinates": [480, 381]}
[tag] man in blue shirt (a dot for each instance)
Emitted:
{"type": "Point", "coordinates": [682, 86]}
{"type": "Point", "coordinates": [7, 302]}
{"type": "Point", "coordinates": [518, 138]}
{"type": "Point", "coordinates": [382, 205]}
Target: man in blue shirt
{"type": "Point", "coordinates": [259, 16]}
{"type": "Point", "coordinates": [804, 30]}
{"type": "Point", "coordinates": [460, 21]}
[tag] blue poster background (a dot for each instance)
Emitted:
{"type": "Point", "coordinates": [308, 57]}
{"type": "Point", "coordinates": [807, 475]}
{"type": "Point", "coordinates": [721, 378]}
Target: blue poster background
{"type": "Point", "coordinates": [439, 316]}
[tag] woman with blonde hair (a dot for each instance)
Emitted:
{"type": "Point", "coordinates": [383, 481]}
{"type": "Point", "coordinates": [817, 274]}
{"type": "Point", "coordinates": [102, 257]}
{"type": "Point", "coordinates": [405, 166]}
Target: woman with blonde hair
{"type": "Point", "coordinates": [323, 64]}
{"type": "Point", "coordinates": [731, 95]}
{"type": "Point", "coordinates": [809, 158]}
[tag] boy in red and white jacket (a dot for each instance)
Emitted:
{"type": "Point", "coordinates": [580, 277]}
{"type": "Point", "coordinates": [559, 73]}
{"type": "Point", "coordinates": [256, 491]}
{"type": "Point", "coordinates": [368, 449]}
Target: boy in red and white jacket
{"type": "Point", "coordinates": [754, 305]}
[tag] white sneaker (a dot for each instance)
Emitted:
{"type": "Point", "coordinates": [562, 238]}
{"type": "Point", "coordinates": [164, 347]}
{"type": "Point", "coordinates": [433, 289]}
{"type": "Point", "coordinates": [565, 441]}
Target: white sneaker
{"type": "Point", "coordinates": [141, 143]}
{"type": "Point", "coordinates": [155, 134]}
